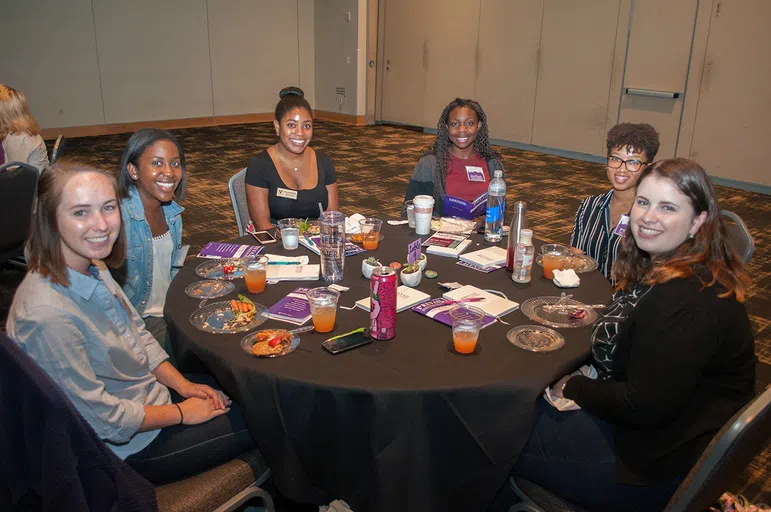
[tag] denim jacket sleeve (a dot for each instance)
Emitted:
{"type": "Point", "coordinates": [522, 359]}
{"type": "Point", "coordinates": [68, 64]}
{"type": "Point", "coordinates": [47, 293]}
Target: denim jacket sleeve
{"type": "Point", "coordinates": [138, 270]}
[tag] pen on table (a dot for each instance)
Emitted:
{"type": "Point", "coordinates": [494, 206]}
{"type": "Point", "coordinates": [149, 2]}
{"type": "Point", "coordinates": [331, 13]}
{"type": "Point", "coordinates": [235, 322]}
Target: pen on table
{"type": "Point", "coordinates": [284, 263]}
{"type": "Point", "coordinates": [469, 299]}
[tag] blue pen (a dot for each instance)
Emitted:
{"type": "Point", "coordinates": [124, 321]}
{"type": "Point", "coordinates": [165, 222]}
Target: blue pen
{"type": "Point", "coordinates": [284, 263]}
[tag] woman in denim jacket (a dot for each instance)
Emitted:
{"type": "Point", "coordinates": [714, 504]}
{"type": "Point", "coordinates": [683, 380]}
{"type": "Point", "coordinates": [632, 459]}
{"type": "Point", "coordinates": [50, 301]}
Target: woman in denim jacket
{"type": "Point", "coordinates": [152, 176]}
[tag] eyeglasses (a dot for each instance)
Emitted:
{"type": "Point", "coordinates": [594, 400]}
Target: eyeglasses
{"type": "Point", "coordinates": [632, 165]}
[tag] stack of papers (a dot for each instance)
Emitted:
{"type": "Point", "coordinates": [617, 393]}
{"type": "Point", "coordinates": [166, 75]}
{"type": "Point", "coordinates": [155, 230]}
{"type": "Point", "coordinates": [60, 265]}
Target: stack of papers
{"type": "Point", "coordinates": [446, 244]}
{"type": "Point", "coordinates": [492, 304]}
{"type": "Point", "coordinates": [293, 272]}
{"type": "Point", "coordinates": [406, 297]}
{"type": "Point", "coordinates": [488, 257]}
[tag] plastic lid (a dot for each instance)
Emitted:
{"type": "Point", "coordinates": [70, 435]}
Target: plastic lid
{"type": "Point", "coordinates": [497, 173]}
{"type": "Point", "coordinates": [526, 236]}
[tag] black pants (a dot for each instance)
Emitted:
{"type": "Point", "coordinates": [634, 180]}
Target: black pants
{"type": "Point", "coordinates": [156, 326]}
{"type": "Point", "coordinates": [571, 454]}
{"type": "Point", "coordinates": [180, 451]}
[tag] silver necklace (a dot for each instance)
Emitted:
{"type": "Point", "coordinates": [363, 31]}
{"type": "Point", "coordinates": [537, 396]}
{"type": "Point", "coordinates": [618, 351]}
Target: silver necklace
{"type": "Point", "coordinates": [302, 159]}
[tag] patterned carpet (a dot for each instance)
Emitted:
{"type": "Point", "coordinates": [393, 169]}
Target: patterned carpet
{"type": "Point", "coordinates": [373, 166]}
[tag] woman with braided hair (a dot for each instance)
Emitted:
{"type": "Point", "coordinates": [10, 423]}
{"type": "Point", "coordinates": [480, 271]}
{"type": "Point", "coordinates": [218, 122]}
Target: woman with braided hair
{"type": "Point", "coordinates": [461, 161]}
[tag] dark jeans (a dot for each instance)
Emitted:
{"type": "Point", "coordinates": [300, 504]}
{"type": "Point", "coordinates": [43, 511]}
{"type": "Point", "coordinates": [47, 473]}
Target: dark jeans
{"type": "Point", "coordinates": [180, 451]}
{"type": "Point", "coordinates": [571, 454]}
{"type": "Point", "coordinates": [156, 325]}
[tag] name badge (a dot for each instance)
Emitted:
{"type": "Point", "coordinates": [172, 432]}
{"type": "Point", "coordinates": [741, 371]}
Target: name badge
{"type": "Point", "coordinates": [286, 193]}
{"type": "Point", "coordinates": [475, 173]}
{"type": "Point", "coordinates": [623, 223]}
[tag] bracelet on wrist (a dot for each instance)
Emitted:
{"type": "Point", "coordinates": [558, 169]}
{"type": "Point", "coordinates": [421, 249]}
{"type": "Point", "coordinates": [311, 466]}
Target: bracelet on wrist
{"type": "Point", "coordinates": [182, 416]}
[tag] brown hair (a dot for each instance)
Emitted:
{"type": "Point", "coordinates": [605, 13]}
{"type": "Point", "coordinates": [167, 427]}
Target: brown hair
{"type": "Point", "coordinates": [15, 116]}
{"type": "Point", "coordinates": [44, 247]}
{"type": "Point", "coordinates": [708, 248]}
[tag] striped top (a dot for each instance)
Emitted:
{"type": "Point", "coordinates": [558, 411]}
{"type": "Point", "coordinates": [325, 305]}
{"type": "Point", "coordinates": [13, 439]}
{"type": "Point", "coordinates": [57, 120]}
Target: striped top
{"type": "Point", "coordinates": [592, 232]}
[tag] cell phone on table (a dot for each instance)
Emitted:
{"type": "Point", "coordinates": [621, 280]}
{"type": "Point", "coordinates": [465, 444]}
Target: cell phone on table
{"type": "Point", "coordinates": [264, 237]}
{"type": "Point", "coordinates": [348, 342]}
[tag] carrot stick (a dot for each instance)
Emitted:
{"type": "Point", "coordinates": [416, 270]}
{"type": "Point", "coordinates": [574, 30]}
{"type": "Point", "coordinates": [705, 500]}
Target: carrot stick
{"type": "Point", "coordinates": [234, 305]}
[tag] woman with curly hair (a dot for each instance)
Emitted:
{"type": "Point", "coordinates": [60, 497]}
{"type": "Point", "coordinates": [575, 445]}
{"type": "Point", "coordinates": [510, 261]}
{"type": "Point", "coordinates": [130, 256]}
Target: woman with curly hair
{"type": "Point", "coordinates": [19, 131]}
{"type": "Point", "coordinates": [601, 220]}
{"type": "Point", "coordinates": [461, 161]}
{"type": "Point", "coordinates": [673, 352]}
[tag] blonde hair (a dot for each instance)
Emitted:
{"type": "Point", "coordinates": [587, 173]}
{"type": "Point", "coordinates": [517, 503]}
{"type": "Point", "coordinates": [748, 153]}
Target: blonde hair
{"type": "Point", "coordinates": [15, 116]}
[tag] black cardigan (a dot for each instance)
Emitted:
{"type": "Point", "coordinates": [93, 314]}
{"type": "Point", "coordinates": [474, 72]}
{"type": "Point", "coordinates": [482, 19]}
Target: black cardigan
{"type": "Point", "coordinates": [684, 364]}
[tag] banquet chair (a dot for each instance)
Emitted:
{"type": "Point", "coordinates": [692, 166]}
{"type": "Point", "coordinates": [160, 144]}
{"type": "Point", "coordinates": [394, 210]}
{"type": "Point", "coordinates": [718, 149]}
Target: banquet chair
{"type": "Point", "coordinates": [238, 199]}
{"type": "Point", "coordinates": [733, 447]}
{"type": "Point", "coordinates": [18, 189]}
{"type": "Point", "coordinates": [81, 469]}
{"type": "Point", "coordinates": [57, 150]}
{"type": "Point", "coordinates": [738, 235]}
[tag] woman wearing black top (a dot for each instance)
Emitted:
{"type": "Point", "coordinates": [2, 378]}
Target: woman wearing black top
{"type": "Point", "coordinates": [674, 354]}
{"type": "Point", "coordinates": [290, 179]}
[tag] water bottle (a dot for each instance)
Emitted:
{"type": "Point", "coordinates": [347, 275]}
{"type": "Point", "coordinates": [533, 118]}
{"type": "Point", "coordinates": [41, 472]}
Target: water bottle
{"type": "Point", "coordinates": [524, 257]}
{"type": "Point", "coordinates": [518, 223]}
{"type": "Point", "coordinates": [496, 208]}
{"type": "Point", "coordinates": [332, 247]}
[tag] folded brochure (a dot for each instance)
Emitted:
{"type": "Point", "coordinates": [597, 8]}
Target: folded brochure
{"type": "Point", "coordinates": [294, 308]}
{"type": "Point", "coordinates": [221, 250]}
{"type": "Point", "coordinates": [439, 310]}
{"type": "Point", "coordinates": [313, 243]}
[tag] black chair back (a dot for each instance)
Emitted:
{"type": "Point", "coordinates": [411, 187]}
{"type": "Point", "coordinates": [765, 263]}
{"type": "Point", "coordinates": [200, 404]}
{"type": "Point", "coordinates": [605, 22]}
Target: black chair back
{"type": "Point", "coordinates": [51, 457]}
{"type": "Point", "coordinates": [18, 189]}
{"type": "Point", "coordinates": [729, 452]}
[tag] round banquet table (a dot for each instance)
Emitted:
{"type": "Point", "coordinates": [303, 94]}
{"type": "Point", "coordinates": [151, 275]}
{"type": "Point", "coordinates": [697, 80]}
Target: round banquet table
{"type": "Point", "coordinates": [405, 424]}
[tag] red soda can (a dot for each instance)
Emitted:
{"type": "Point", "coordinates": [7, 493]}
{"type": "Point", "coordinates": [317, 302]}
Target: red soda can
{"type": "Point", "coordinates": [382, 303]}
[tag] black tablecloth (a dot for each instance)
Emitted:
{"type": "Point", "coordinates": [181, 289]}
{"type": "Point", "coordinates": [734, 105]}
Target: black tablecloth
{"type": "Point", "coordinates": [405, 424]}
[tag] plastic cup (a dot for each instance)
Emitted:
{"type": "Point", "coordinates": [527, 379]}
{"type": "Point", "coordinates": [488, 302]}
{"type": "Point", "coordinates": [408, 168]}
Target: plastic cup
{"type": "Point", "coordinates": [323, 301]}
{"type": "Point", "coordinates": [410, 207]}
{"type": "Point", "coordinates": [370, 232]}
{"type": "Point", "coordinates": [290, 233]}
{"type": "Point", "coordinates": [553, 258]}
{"type": "Point", "coordinates": [255, 270]}
{"type": "Point", "coordinates": [466, 324]}
{"type": "Point", "coordinates": [424, 209]}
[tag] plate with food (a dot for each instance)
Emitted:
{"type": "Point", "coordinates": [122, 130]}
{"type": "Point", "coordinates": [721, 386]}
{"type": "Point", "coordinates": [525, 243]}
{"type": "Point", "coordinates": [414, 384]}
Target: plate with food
{"type": "Point", "coordinates": [227, 317]}
{"type": "Point", "coordinates": [309, 227]}
{"type": "Point", "coordinates": [579, 262]}
{"type": "Point", "coordinates": [227, 269]}
{"type": "Point", "coordinates": [209, 289]}
{"type": "Point", "coordinates": [558, 311]}
{"type": "Point", "coordinates": [535, 338]}
{"type": "Point", "coordinates": [270, 342]}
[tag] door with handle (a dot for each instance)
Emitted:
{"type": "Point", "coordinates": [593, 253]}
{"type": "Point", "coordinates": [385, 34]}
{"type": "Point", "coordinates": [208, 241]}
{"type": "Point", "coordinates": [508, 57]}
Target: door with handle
{"type": "Point", "coordinates": [402, 68]}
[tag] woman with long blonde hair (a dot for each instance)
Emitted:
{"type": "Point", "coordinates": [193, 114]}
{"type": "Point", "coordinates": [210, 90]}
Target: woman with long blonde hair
{"type": "Point", "coordinates": [19, 131]}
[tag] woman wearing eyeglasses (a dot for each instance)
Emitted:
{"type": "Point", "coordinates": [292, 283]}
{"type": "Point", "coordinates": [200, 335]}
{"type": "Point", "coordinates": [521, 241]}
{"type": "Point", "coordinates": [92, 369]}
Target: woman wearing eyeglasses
{"type": "Point", "coordinates": [602, 219]}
